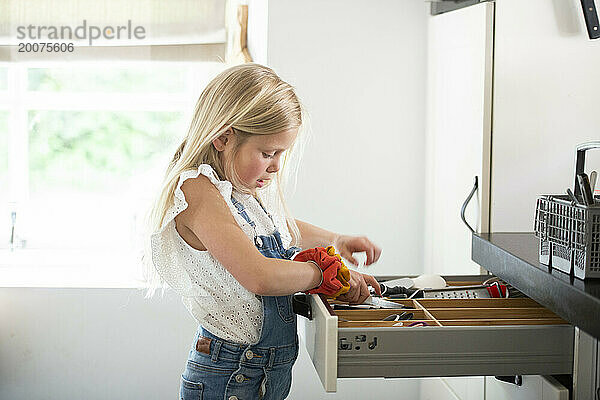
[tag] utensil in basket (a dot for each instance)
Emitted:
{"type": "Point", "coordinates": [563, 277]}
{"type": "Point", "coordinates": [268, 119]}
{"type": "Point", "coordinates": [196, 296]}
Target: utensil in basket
{"type": "Point", "coordinates": [570, 233]}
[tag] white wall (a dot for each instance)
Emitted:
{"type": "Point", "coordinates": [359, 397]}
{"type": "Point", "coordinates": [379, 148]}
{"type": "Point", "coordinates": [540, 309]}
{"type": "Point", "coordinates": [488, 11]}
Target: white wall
{"type": "Point", "coordinates": [63, 344]}
{"type": "Point", "coordinates": [545, 103]}
{"type": "Point", "coordinates": [359, 67]}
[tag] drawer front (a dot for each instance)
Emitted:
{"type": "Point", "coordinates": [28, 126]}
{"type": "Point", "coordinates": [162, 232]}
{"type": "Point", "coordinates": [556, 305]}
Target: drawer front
{"type": "Point", "coordinates": [321, 337]}
{"type": "Point", "coordinates": [450, 348]}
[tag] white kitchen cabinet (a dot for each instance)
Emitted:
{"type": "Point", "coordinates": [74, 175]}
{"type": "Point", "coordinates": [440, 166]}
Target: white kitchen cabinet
{"type": "Point", "coordinates": [458, 135]}
{"type": "Point", "coordinates": [533, 388]}
{"type": "Point", "coordinates": [436, 389]}
{"type": "Point", "coordinates": [464, 388]}
{"type": "Point", "coordinates": [586, 366]}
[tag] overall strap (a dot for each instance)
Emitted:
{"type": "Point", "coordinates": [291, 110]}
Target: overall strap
{"type": "Point", "coordinates": [242, 211]}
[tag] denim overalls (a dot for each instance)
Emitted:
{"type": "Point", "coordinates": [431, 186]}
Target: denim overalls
{"type": "Point", "coordinates": [220, 369]}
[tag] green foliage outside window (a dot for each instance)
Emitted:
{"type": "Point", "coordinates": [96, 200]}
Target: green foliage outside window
{"type": "Point", "coordinates": [97, 151]}
{"type": "Point", "coordinates": [158, 79]}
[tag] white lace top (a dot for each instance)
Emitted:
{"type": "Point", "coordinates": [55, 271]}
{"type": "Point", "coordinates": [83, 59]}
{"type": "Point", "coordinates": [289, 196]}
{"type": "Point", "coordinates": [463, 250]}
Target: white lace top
{"type": "Point", "coordinates": [210, 293]}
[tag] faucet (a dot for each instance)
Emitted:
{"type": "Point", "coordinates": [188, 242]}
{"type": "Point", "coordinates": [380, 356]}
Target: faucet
{"type": "Point", "coordinates": [14, 241]}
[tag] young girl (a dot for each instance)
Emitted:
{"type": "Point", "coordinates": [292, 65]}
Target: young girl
{"type": "Point", "coordinates": [216, 244]}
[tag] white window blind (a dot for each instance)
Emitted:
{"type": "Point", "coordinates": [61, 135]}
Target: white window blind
{"type": "Point", "coordinates": [146, 30]}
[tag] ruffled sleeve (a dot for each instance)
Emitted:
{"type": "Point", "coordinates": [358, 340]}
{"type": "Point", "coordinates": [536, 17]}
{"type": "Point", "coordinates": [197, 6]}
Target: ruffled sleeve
{"type": "Point", "coordinates": [170, 254]}
{"type": "Point", "coordinates": [225, 188]}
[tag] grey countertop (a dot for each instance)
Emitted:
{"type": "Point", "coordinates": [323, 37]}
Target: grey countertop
{"type": "Point", "coordinates": [513, 257]}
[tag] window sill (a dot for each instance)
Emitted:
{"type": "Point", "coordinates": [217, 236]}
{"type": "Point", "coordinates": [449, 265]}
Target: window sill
{"type": "Point", "coordinates": [90, 268]}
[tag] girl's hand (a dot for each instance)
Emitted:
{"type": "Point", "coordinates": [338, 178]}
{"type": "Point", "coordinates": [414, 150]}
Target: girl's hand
{"type": "Point", "coordinates": [346, 245]}
{"type": "Point", "coordinates": [359, 291]}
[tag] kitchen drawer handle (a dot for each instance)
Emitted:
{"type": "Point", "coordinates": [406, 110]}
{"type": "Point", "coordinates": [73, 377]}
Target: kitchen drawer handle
{"type": "Point", "coordinates": [591, 18]}
{"type": "Point", "coordinates": [514, 379]}
{"type": "Point", "coordinates": [464, 206]}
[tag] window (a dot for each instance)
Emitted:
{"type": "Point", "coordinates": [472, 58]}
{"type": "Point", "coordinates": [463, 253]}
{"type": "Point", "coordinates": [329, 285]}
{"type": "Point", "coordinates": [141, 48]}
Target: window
{"type": "Point", "coordinates": [5, 218]}
{"type": "Point", "coordinates": [89, 145]}
{"type": "Point", "coordinates": [154, 79]}
{"type": "Point", "coordinates": [3, 84]}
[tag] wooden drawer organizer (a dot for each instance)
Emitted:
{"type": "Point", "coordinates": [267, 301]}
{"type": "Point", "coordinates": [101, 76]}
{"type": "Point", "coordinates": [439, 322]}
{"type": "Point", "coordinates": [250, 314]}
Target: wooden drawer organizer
{"type": "Point", "coordinates": [463, 337]}
{"type": "Point", "coordinates": [453, 312]}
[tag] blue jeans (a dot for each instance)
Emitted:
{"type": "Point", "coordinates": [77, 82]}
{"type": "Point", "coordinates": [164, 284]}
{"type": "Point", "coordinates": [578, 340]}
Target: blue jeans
{"type": "Point", "coordinates": [226, 370]}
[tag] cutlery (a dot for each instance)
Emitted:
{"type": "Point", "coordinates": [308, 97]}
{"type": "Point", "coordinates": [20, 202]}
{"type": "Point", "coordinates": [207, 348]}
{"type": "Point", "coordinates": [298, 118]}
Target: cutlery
{"type": "Point", "coordinates": [585, 188]}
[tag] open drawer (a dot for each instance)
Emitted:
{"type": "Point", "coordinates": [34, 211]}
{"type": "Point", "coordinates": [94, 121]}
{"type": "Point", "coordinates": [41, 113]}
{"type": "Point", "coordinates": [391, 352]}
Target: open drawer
{"type": "Point", "coordinates": [462, 337]}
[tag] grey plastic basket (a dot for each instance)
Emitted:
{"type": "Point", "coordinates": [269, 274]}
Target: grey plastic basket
{"type": "Point", "coordinates": [569, 233]}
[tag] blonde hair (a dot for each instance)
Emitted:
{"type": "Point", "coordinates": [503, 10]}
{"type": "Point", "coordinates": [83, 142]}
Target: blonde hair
{"type": "Point", "coordinates": [253, 100]}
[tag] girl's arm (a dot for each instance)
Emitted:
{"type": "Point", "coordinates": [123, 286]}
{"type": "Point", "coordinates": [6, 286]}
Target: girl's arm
{"type": "Point", "coordinates": [313, 236]}
{"type": "Point", "coordinates": [210, 219]}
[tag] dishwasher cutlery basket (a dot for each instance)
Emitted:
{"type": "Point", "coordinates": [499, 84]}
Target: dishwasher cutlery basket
{"type": "Point", "coordinates": [569, 232]}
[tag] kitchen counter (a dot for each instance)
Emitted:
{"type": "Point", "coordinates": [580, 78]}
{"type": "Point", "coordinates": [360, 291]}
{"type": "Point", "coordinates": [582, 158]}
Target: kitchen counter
{"type": "Point", "coordinates": [513, 257]}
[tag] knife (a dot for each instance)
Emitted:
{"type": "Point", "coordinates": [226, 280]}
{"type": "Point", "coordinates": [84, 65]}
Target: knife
{"type": "Point", "coordinates": [381, 303]}
{"type": "Point", "coordinates": [572, 197]}
{"type": "Point", "coordinates": [586, 191]}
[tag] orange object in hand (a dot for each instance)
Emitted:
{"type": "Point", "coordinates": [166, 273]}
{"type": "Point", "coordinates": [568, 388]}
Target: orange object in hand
{"type": "Point", "coordinates": [343, 273]}
{"type": "Point", "coordinates": [334, 283]}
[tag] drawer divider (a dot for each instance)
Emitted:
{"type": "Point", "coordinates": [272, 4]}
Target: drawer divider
{"type": "Point", "coordinates": [426, 312]}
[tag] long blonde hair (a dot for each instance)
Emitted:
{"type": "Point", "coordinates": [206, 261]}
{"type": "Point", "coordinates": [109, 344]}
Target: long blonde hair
{"type": "Point", "coordinates": [253, 100]}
